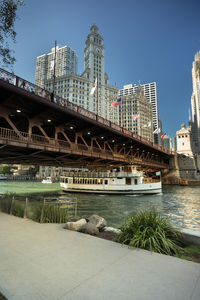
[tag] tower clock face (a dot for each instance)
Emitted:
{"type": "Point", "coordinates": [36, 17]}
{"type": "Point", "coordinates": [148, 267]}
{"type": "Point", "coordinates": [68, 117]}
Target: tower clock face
{"type": "Point", "coordinates": [98, 50]}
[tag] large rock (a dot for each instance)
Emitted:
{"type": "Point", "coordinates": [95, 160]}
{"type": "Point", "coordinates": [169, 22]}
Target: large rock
{"type": "Point", "coordinates": [112, 229]}
{"type": "Point", "coordinates": [98, 221]}
{"type": "Point", "coordinates": [75, 225]}
{"type": "Point", "coordinates": [89, 228]}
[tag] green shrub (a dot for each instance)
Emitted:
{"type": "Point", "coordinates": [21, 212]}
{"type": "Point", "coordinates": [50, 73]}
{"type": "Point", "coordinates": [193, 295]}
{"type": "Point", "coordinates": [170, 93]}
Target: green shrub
{"type": "Point", "coordinates": [18, 210]}
{"type": "Point", "coordinates": [148, 230]}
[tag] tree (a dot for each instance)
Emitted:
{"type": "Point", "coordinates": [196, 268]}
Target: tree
{"type": "Point", "coordinates": [33, 170]}
{"type": "Point", "coordinates": [8, 16]}
{"type": "Point", "coordinates": [7, 170]}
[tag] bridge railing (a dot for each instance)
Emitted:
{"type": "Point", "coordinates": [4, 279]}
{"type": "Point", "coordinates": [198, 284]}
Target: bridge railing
{"type": "Point", "coordinates": [12, 135]}
{"type": "Point", "coordinates": [34, 89]}
{"type": "Point", "coordinates": [24, 137]}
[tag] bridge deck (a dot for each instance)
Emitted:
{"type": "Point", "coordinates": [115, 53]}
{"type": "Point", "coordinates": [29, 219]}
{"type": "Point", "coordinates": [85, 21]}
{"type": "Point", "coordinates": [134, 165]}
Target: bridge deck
{"type": "Point", "coordinates": [39, 129]}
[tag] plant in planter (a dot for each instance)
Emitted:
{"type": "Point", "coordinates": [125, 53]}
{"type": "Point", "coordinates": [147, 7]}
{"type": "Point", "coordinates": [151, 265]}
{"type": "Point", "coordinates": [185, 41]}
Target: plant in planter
{"type": "Point", "coordinates": [148, 230]}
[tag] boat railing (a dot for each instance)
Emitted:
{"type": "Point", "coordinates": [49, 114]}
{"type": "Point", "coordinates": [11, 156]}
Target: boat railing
{"type": "Point", "coordinates": [150, 180]}
{"type": "Point", "coordinates": [100, 174]}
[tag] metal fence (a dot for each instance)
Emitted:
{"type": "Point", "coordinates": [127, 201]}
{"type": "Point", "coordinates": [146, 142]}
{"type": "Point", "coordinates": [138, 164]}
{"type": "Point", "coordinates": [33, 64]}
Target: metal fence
{"type": "Point", "coordinates": [57, 209]}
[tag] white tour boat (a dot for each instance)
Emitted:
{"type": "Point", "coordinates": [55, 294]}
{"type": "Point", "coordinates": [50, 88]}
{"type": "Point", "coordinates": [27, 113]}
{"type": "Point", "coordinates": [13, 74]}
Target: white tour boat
{"type": "Point", "coordinates": [124, 180]}
{"type": "Point", "coordinates": [3, 177]}
{"type": "Point", "coordinates": [47, 180]}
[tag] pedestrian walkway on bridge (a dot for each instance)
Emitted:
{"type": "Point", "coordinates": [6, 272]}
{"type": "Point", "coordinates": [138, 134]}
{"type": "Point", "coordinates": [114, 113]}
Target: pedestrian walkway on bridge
{"type": "Point", "coordinates": [44, 261]}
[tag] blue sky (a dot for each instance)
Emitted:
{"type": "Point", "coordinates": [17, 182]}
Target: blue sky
{"type": "Point", "coordinates": [145, 40]}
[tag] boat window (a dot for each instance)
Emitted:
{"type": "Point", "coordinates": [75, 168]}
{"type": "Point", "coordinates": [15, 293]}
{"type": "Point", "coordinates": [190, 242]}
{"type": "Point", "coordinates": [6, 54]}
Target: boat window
{"type": "Point", "coordinates": [135, 181]}
{"type": "Point", "coordinates": [105, 181]}
{"type": "Point", "coordinates": [128, 181]}
{"type": "Point", "coordinates": [66, 180]}
{"type": "Point", "coordinates": [100, 181]}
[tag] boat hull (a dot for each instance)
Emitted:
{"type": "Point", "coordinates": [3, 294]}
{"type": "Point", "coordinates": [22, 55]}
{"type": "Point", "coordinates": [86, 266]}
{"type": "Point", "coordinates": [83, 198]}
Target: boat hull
{"type": "Point", "coordinates": [157, 191]}
{"type": "Point", "coordinates": [155, 188]}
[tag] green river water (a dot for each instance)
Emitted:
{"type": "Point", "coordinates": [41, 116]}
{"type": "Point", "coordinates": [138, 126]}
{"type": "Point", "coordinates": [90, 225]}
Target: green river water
{"type": "Point", "coordinates": [181, 204]}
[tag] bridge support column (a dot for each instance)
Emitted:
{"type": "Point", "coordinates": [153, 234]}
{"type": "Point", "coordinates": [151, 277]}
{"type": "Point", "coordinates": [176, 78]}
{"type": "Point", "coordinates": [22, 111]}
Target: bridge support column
{"type": "Point", "coordinates": [78, 135]}
{"type": "Point", "coordinates": [37, 124]}
{"type": "Point", "coordinates": [30, 126]}
{"type": "Point", "coordinates": [5, 115]}
{"type": "Point", "coordinates": [97, 143]}
{"type": "Point", "coordinates": [61, 130]}
{"type": "Point", "coordinates": [106, 143]}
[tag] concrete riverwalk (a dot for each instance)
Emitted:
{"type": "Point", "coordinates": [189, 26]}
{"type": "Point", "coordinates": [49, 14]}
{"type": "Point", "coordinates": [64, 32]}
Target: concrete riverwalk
{"type": "Point", "coordinates": [44, 261]}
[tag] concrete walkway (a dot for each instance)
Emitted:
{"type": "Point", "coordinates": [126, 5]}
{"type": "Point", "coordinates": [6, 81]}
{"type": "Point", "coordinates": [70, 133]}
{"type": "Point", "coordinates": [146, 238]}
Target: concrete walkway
{"type": "Point", "coordinates": [44, 261]}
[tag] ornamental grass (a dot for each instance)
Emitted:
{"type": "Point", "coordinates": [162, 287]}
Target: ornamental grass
{"type": "Point", "coordinates": [148, 230]}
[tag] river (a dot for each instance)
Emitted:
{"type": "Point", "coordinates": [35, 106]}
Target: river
{"type": "Point", "coordinates": [180, 203]}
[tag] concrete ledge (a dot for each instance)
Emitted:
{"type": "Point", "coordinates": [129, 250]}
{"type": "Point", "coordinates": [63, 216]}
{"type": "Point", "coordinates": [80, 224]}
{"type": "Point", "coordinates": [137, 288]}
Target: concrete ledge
{"type": "Point", "coordinates": [191, 236]}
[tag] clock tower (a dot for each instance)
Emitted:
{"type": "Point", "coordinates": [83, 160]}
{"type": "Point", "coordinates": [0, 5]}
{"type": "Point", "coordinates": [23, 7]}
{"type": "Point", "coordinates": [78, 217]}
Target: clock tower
{"type": "Point", "coordinates": [94, 56]}
{"type": "Point", "coordinates": [99, 102]}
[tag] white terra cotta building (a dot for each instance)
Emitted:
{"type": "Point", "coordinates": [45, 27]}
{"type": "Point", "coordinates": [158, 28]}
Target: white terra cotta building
{"type": "Point", "coordinates": [183, 137]}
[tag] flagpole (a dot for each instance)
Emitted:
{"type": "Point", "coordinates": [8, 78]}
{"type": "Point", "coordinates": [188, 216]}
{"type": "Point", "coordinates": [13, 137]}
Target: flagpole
{"type": "Point", "coordinates": [122, 118]}
{"type": "Point", "coordinates": [97, 100]}
{"type": "Point", "coordinates": [54, 70]}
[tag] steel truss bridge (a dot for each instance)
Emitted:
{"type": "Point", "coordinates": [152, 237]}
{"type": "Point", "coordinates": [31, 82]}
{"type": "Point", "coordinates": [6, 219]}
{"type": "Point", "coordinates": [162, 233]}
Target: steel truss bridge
{"type": "Point", "coordinates": [39, 128]}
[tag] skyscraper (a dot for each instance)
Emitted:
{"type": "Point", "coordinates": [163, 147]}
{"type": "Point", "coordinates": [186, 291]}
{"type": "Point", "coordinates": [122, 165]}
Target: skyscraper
{"type": "Point", "coordinates": [94, 68]}
{"type": "Point", "coordinates": [65, 64]}
{"type": "Point", "coordinates": [195, 103]}
{"type": "Point", "coordinates": [76, 88]}
{"type": "Point", "coordinates": [136, 114]}
{"type": "Point", "coordinates": [150, 92]}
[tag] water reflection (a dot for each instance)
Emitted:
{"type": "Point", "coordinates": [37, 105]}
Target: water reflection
{"type": "Point", "coordinates": [181, 204]}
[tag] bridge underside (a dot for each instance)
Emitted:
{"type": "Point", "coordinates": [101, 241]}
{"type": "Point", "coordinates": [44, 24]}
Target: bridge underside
{"type": "Point", "coordinates": [34, 130]}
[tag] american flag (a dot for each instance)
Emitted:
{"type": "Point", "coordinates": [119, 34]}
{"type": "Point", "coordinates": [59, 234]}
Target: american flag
{"type": "Point", "coordinates": [116, 102]}
{"type": "Point", "coordinates": [93, 88]}
{"type": "Point", "coordinates": [136, 116]}
{"type": "Point", "coordinates": [164, 136]}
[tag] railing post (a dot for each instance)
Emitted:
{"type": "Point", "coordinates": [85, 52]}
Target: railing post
{"type": "Point", "coordinates": [17, 81]}
{"type": "Point", "coordinates": [25, 208]}
{"type": "Point", "coordinates": [42, 212]}
{"type": "Point", "coordinates": [12, 205]}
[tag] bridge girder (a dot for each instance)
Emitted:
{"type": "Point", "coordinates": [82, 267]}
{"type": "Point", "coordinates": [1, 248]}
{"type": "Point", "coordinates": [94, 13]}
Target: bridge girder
{"type": "Point", "coordinates": [34, 130]}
